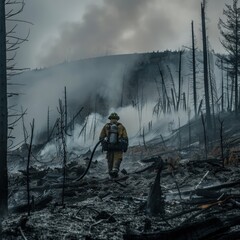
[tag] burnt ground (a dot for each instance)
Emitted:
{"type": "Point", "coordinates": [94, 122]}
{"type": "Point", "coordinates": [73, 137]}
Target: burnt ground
{"type": "Point", "coordinates": [194, 190]}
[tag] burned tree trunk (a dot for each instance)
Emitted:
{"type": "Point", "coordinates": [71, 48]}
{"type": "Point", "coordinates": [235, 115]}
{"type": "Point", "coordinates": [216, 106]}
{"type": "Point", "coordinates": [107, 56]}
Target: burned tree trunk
{"type": "Point", "coordinates": [3, 115]}
{"type": "Point", "coordinates": [27, 170]}
{"type": "Point", "coordinates": [205, 65]}
{"type": "Point", "coordinates": [62, 135]}
{"type": "Point", "coordinates": [173, 89]}
{"type": "Point", "coordinates": [194, 73]}
{"type": "Point", "coordinates": [179, 78]}
{"type": "Point", "coordinates": [66, 109]}
{"type": "Point", "coordinates": [48, 125]}
{"type": "Point", "coordinates": [165, 95]}
{"type": "Point", "coordinates": [232, 93]}
{"type": "Point", "coordinates": [205, 137]}
{"type": "Point", "coordinates": [228, 98]}
{"type": "Point", "coordinates": [221, 140]}
{"type": "Point", "coordinates": [222, 88]}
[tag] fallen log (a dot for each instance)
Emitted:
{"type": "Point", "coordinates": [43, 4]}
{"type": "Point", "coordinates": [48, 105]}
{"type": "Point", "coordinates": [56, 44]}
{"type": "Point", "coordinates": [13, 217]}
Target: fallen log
{"type": "Point", "coordinates": [216, 187]}
{"type": "Point", "coordinates": [224, 185]}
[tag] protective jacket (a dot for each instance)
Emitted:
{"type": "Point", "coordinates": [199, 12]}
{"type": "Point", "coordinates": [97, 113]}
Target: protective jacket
{"type": "Point", "coordinates": [114, 136]}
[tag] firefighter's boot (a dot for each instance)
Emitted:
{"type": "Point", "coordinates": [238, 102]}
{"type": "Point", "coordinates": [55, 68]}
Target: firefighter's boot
{"type": "Point", "coordinates": [116, 165]}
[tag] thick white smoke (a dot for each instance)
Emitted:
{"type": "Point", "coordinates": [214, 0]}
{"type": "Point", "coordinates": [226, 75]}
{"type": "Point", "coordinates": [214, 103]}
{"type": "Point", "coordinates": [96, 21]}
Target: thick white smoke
{"type": "Point", "coordinates": [102, 77]}
{"type": "Point", "coordinates": [85, 136]}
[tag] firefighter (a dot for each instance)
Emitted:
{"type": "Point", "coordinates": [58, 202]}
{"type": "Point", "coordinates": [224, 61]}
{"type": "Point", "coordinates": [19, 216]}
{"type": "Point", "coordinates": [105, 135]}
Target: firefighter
{"type": "Point", "coordinates": [115, 141]}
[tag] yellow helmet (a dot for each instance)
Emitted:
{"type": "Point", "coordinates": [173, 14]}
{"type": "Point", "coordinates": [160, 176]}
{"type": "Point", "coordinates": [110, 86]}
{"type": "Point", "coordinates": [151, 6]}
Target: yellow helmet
{"type": "Point", "coordinates": [114, 116]}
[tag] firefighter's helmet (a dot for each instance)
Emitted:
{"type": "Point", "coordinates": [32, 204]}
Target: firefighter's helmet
{"type": "Point", "coordinates": [114, 116]}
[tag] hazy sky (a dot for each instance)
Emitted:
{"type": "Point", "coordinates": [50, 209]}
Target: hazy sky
{"type": "Point", "coordinates": [76, 29]}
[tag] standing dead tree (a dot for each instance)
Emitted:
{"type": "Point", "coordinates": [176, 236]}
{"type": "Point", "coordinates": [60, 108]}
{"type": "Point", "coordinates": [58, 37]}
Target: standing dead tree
{"type": "Point", "coordinates": [165, 94]}
{"type": "Point", "coordinates": [140, 102]}
{"type": "Point", "coordinates": [194, 71]}
{"type": "Point", "coordinates": [205, 68]}
{"type": "Point", "coordinates": [9, 43]}
{"type": "Point", "coordinates": [14, 40]}
{"type": "Point", "coordinates": [179, 133]}
{"type": "Point", "coordinates": [228, 94]}
{"type": "Point", "coordinates": [173, 89]}
{"type": "Point", "coordinates": [205, 136]}
{"type": "Point", "coordinates": [221, 140]}
{"type": "Point", "coordinates": [122, 90]}
{"type": "Point", "coordinates": [232, 91]}
{"type": "Point", "coordinates": [189, 129]}
{"type": "Point", "coordinates": [159, 106]}
{"type": "Point", "coordinates": [24, 128]}
{"type": "Point", "coordinates": [3, 116]}
{"type": "Point", "coordinates": [222, 87]}
{"type": "Point", "coordinates": [179, 79]}
{"type": "Point", "coordinates": [62, 134]}
{"type": "Point", "coordinates": [28, 166]}
{"type": "Point", "coordinates": [213, 88]}
{"type": "Point", "coordinates": [143, 136]}
{"type": "Point", "coordinates": [48, 125]}
{"type": "Point", "coordinates": [65, 108]}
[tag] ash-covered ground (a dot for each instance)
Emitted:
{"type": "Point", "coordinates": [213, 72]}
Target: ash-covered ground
{"type": "Point", "coordinates": [198, 189]}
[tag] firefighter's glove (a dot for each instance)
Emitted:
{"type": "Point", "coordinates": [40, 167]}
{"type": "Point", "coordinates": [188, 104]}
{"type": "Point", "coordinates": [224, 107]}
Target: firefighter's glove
{"type": "Point", "coordinates": [124, 144]}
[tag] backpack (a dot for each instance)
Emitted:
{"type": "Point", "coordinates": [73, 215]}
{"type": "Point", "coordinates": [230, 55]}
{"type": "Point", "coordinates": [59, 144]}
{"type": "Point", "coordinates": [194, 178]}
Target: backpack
{"type": "Point", "coordinates": [113, 142]}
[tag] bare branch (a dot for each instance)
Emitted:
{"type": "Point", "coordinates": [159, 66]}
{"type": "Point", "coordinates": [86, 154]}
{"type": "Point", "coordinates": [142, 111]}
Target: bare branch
{"type": "Point", "coordinates": [18, 118]}
{"type": "Point", "coordinates": [11, 13]}
{"type": "Point", "coordinates": [19, 20]}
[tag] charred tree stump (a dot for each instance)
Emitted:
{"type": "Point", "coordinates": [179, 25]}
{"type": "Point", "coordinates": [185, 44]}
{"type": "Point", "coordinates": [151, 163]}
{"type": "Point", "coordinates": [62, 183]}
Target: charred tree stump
{"type": "Point", "coordinates": [155, 202]}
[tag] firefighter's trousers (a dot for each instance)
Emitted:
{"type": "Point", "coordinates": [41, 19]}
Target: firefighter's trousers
{"type": "Point", "coordinates": [114, 160]}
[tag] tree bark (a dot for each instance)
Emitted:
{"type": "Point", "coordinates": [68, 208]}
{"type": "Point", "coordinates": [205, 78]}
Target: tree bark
{"type": "Point", "coordinates": [236, 66]}
{"type": "Point", "coordinates": [194, 72]}
{"type": "Point", "coordinates": [3, 115]}
{"type": "Point", "coordinates": [28, 166]}
{"type": "Point", "coordinates": [205, 63]}
{"type": "Point", "coordinates": [179, 78]}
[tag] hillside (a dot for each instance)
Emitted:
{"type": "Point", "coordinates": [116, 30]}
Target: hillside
{"type": "Point", "coordinates": [141, 87]}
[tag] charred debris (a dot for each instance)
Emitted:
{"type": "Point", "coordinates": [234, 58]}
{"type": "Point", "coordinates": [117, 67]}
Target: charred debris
{"type": "Point", "coordinates": [172, 188]}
